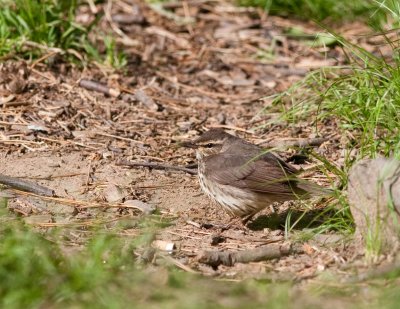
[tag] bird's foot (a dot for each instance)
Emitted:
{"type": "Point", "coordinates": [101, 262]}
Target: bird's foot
{"type": "Point", "coordinates": [236, 221]}
{"type": "Point", "coordinates": [247, 218]}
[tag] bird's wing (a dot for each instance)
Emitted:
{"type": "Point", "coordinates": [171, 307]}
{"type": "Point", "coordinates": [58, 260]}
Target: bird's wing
{"type": "Point", "coordinates": [264, 174]}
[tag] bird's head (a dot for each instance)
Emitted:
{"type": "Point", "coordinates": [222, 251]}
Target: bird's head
{"type": "Point", "coordinates": [209, 143]}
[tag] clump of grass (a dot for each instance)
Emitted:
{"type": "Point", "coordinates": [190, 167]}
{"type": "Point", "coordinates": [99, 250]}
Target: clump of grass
{"type": "Point", "coordinates": [45, 22]}
{"type": "Point", "coordinates": [361, 100]}
{"type": "Point", "coordinates": [51, 24]}
{"type": "Point", "coordinates": [325, 10]}
{"type": "Point", "coordinates": [111, 56]}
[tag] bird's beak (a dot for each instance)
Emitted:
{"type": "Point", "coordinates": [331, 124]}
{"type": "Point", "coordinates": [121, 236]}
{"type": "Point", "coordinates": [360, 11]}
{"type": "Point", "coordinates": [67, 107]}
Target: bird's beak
{"type": "Point", "coordinates": [189, 144]}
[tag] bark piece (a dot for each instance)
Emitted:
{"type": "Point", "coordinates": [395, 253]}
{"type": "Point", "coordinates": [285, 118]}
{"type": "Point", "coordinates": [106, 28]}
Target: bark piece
{"type": "Point", "coordinates": [374, 197]}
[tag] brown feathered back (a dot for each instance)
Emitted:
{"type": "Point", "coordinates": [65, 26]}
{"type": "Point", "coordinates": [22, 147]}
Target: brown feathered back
{"type": "Point", "coordinates": [245, 178]}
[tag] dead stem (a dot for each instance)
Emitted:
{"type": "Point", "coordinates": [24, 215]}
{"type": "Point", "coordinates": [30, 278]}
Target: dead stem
{"type": "Point", "coordinates": [25, 185]}
{"type": "Point", "coordinates": [157, 166]}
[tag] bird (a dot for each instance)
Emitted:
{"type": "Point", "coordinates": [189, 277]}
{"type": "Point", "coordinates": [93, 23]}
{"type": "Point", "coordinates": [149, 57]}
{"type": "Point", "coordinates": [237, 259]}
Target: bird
{"type": "Point", "coordinates": [245, 178]}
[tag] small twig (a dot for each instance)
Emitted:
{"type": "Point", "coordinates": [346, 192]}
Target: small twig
{"type": "Point", "coordinates": [47, 76]}
{"type": "Point", "coordinates": [20, 142]}
{"type": "Point", "coordinates": [75, 203]}
{"type": "Point", "coordinates": [181, 42]}
{"type": "Point", "coordinates": [126, 39]}
{"type": "Point", "coordinates": [92, 7]}
{"type": "Point", "coordinates": [193, 223]}
{"type": "Point", "coordinates": [128, 19]}
{"type": "Point", "coordinates": [66, 142]}
{"type": "Point", "coordinates": [44, 47]}
{"type": "Point", "coordinates": [147, 101]}
{"type": "Point", "coordinates": [49, 177]}
{"type": "Point", "coordinates": [120, 137]}
{"type": "Point", "coordinates": [44, 57]}
{"type": "Point", "coordinates": [157, 166]}
{"type": "Point", "coordinates": [232, 128]}
{"type": "Point", "coordinates": [96, 86]}
{"type": "Point", "coordinates": [15, 104]}
{"type": "Point", "coordinates": [82, 223]}
{"type": "Point", "coordinates": [178, 264]}
{"type": "Point", "coordinates": [269, 252]}
{"type": "Point", "coordinates": [177, 4]}
{"type": "Point", "coordinates": [88, 177]}
{"type": "Point", "coordinates": [302, 142]}
{"type": "Point", "coordinates": [25, 185]}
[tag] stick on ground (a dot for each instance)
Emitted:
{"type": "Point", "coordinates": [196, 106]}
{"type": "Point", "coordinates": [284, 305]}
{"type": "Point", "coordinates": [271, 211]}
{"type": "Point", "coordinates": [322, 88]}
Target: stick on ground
{"type": "Point", "coordinates": [25, 185]}
{"type": "Point", "coordinates": [158, 166]}
{"type": "Point", "coordinates": [98, 87]}
{"type": "Point", "coordinates": [302, 142]}
{"type": "Point", "coordinates": [268, 252]}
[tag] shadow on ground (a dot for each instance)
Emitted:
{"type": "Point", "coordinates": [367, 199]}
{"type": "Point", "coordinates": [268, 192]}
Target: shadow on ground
{"type": "Point", "coordinates": [297, 219]}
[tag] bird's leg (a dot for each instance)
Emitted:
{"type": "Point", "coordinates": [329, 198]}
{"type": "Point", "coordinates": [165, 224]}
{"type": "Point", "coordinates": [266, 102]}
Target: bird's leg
{"type": "Point", "coordinates": [247, 218]}
{"type": "Point", "coordinates": [233, 222]}
{"type": "Point", "coordinates": [223, 227]}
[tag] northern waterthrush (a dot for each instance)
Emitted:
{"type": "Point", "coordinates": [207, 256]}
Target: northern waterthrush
{"type": "Point", "coordinates": [245, 178]}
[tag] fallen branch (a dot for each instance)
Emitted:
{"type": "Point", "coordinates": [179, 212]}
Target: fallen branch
{"type": "Point", "coordinates": [25, 185]}
{"type": "Point", "coordinates": [157, 166]}
{"type": "Point", "coordinates": [268, 252]}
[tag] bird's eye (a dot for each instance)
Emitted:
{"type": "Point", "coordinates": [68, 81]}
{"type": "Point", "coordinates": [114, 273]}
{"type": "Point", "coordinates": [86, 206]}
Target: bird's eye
{"type": "Point", "coordinates": [209, 145]}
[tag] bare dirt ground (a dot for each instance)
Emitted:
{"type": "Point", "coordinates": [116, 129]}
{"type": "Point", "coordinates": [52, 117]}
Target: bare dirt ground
{"type": "Point", "coordinates": [192, 65]}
